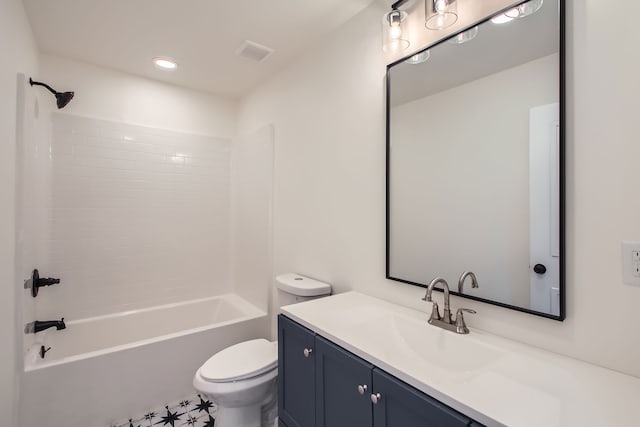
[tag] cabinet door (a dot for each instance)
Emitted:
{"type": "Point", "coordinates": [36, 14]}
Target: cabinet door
{"type": "Point", "coordinates": [296, 372]}
{"type": "Point", "coordinates": [400, 405]}
{"type": "Point", "coordinates": [339, 400]}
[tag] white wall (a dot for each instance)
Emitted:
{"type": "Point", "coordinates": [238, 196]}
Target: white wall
{"type": "Point", "coordinates": [251, 215]}
{"type": "Point", "coordinates": [113, 95]}
{"type": "Point", "coordinates": [328, 109]}
{"type": "Point", "coordinates": [33, 197]}
{"type": "Point", "coordinates": [437, 204]}
{"type": "Point", "coordinates": [19, 54]}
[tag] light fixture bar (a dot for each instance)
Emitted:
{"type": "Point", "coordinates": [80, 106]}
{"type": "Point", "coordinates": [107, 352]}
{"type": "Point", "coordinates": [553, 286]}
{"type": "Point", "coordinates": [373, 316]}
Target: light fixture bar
{"type": "Point", "coordinates": [397, 4]}
{"type": "Point", "coordinates": [440, 14]}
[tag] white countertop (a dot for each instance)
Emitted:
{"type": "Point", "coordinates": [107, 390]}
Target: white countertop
{"type": "Point", "coordinates": [493, 380]}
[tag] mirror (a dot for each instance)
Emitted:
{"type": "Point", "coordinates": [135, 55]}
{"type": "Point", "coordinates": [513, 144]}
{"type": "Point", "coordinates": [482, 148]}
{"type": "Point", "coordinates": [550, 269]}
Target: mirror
{"type": "Point", "coordinates": [475, 162]}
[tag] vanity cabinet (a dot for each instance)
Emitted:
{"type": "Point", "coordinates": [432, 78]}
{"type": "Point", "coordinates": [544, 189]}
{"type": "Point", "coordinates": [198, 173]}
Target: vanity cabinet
{"type": "Point", "coordinates": [296, 374]}
{"type": "Point", "coordinates": [402, 405]}
{"type": "Point", "coordinates": [343, 382]}
{"type": "Point", "coordinates": [323, 385]}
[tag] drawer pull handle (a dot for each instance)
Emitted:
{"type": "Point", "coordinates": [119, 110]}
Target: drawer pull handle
{"type": "Point", "coordinates": [307, 352]}
{"type": "Point", "coordinates": [375, 398]}
{"type": "Point", "coordinates": [362, 388]}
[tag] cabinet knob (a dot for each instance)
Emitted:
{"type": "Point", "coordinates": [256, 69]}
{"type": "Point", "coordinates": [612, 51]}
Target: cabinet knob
{"type": "Point", "coordinates": [362, 388]}
{"type": "Point", "coordinates": [307, 352]}
{"type": "Point", "coordinates": [375, 398]}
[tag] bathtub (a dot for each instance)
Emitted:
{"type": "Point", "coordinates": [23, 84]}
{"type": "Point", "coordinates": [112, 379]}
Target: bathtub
{"type": "Point", "coordinates": [105, 368]}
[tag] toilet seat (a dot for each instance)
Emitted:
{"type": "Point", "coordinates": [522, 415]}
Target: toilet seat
{"type": "Point", "coordinates": [242, 361]}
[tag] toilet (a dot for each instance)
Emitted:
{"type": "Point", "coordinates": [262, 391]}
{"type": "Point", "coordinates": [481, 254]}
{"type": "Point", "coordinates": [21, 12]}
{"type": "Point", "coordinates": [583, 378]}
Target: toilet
{"type": "Point", "coordinates": [242, 378]}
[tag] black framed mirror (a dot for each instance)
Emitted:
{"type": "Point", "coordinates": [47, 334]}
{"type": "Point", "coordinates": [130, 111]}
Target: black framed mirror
{"type": "Point", "coordinates": [476, 160]}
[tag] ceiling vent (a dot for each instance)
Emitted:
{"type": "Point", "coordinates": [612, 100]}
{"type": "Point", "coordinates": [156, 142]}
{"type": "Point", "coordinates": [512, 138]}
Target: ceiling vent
{"type": "Point", "coordinates": [254, 51]}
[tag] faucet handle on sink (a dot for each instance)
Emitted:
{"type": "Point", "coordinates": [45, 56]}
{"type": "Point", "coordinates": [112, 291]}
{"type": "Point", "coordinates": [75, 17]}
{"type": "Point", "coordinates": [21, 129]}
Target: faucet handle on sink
{"type": "Point", "coordinates": [461, 326]}
{"type": "Point", "coordinates": [435, 312]}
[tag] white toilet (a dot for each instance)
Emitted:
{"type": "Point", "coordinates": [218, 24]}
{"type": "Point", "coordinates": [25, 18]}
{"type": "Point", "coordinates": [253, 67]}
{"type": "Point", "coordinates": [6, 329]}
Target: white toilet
{"type": "Point", "coordinates": [240, 379]}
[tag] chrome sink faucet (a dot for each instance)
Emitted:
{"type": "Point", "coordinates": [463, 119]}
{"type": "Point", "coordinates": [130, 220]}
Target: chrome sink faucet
{"type": "Point", "coordinates": [435, 314]}
{"type": "Point", "coordinates": [446, 322]}
{"type": "Point", "coordinates": [463, 277]}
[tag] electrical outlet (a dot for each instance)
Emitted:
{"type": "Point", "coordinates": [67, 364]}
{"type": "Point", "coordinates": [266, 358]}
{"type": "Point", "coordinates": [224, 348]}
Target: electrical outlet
{"type": "Point", "coordinates": [631, 263]}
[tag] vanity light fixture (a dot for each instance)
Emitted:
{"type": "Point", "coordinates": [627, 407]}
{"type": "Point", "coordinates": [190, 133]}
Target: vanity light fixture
{"type": "Point", "coordinates": [418, 58]}
{"type": "Point", "coordinates": [525, 9]}
{"type": "Point", "coordinates": [465, 36]}
{"type": "Point", "coordinates": [394, 37]}
{"type": "Point", "coordinates": [501, 19]}
{"type": "Point", "coordinates": [440, 14]}
{"type": "Point", "coordinates": [164, 63]}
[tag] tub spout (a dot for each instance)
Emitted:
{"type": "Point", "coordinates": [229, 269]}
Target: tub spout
{"type": "Point", "coordinates": [38, 326]}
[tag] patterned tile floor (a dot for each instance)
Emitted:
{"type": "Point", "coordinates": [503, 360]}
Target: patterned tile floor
{"type": "Point", "coordinates": [195, 411]}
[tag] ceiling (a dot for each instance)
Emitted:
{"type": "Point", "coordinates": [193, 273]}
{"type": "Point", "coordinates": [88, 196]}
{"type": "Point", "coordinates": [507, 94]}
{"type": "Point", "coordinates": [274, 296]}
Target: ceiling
{"type": "Point", "coordinates": [201, 35]}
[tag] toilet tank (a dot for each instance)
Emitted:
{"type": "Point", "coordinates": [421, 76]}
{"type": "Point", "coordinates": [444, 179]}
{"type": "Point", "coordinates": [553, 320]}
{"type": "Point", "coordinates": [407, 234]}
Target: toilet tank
{"type": "Point", "coordinates": [294, 288]}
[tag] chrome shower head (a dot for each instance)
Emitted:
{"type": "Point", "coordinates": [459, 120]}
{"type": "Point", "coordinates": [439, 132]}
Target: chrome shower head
{"type": "Point", "coordinates": [62, 98]}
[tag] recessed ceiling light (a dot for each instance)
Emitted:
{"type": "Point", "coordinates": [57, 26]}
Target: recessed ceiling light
{"type": "Point", "coordinates": [165, 63]}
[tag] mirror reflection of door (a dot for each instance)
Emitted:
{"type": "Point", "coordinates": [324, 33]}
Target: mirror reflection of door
{"type": "Point", "coordinates": [544, 208]}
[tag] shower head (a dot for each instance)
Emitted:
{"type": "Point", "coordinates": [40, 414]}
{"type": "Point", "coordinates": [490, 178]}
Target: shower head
{"type": "Point", "coordinates": [62, 98]}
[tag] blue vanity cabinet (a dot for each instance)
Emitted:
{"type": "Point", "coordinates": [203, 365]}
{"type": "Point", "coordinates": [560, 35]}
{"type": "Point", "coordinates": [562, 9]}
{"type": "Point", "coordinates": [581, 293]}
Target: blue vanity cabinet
{"type": "Point", "coordinates": [323, 385]}
{"type": "Point", "coordinates": [398, 404]}
{"type": "Point", "coordinates": [296, 374]}
{"type": "Point", "coordinates": [343, 383]}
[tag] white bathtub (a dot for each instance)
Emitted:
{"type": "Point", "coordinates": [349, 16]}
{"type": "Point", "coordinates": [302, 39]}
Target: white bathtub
{"type": "Point", "coordinates": [110, 367]}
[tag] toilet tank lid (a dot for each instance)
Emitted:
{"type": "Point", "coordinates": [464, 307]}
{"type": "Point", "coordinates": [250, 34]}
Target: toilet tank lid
{"type": "Point", "coordinates": [296, 284]}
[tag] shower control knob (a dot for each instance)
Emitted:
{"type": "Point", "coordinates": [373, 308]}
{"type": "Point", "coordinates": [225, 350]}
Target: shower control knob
{"type": "Point", "coordinates": [375, 398]}
{"type": "Point", "coordinates": [539, 269]}
{"type": "Point", "coordinates": [307, 352]}
{"type": "Point", "coordinates": [362, 388]}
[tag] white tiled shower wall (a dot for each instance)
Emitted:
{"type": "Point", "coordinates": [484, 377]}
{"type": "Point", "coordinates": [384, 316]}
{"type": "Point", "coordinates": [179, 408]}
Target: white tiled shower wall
{"type": "Point", "coordinates": [139, 216]}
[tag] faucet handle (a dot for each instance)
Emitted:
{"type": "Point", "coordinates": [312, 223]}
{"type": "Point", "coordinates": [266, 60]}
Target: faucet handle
{"type": "Point", "coordinates": [461, 326]}
{"type": "Point", "coordinates": [435, 313]}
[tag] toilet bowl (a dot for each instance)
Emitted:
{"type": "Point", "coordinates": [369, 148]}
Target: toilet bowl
{"type": "Point", "coordinates": [239, 380]}
{"type": "Point", "coordinates": [242, 378]}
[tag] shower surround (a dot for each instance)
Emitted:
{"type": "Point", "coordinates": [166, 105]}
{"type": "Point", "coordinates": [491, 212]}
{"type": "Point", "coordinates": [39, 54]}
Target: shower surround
{"type": "Point", "coordinates": [146, 228]}
{"type": "Point", "coordinates": [139, 217]}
